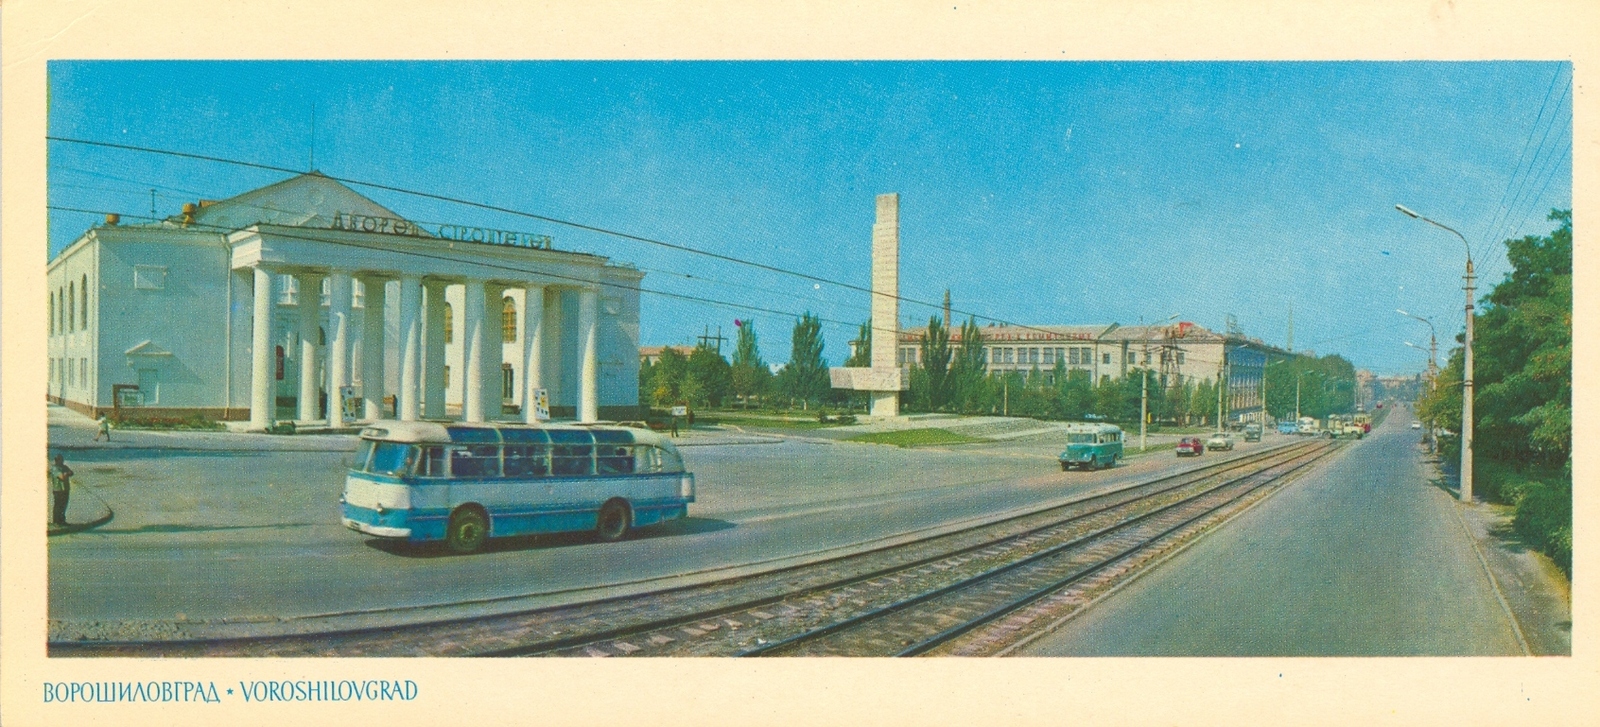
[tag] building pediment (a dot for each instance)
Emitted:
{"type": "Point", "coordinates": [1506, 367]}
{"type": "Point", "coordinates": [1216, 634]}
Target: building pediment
{"type": "Point", "coordinates": [147, 348]}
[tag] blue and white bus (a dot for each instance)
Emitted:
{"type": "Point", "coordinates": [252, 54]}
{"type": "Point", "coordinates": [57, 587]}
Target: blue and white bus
{"type": "Point", "coordinates": [465, 483]}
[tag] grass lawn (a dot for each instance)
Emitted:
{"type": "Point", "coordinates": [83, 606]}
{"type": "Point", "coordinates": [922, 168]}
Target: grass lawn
{"type": "Point", "coordinates": [916, 438]}
{"type": "Point", "coordinates": [770, 422]}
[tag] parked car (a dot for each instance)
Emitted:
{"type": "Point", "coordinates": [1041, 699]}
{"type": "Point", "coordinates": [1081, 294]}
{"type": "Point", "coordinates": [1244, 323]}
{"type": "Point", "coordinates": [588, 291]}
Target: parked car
{"type": "Point", "coordinates": [1252, 432]}
{"type": "Point", "coordinates": [1220, 441]}
{"type": "Point", "coordinates": [1191, 446]}
{"type": "Point", "coordinates": [1288, 428]}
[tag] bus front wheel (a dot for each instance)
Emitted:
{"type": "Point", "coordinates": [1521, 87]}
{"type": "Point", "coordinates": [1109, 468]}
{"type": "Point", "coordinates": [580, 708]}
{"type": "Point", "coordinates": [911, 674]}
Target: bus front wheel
{"type": "Point", "coordinates": [467, 531]}
{"type": "Point", "coordinates": [613, 521]}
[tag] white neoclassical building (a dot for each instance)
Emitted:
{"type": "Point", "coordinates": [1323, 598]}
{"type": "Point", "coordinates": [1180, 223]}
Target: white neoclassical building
{"type": "Point", "coordinates": [288, 301]}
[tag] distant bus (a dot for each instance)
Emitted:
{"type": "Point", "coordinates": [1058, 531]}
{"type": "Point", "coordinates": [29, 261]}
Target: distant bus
{"type": "Point", "coordinates": [1092, 446]}
{"type": "Point", "coordinates": [465, 483]}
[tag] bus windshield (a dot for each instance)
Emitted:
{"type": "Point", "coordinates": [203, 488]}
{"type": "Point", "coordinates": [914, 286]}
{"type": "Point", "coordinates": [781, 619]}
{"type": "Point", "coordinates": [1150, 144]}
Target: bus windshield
{"type": "Point", "coordinates": [1080, 439]}
{"type": "Point", "coordinates": [391, 458]}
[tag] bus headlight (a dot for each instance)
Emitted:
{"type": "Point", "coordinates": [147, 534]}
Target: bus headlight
{"type": "Point", "coordinates": [380, 509]}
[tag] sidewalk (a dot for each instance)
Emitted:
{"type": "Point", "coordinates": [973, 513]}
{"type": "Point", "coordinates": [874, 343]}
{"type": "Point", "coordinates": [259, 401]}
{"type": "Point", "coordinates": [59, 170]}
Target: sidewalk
{"type": "Point", "coordinates": [1534, 590]}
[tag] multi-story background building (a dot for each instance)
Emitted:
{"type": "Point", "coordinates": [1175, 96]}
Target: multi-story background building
{"type": "Point", "coordinates": [1176, 353]}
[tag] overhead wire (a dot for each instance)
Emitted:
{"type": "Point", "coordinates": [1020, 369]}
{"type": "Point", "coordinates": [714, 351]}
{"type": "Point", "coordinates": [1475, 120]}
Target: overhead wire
{"type": "Point", "coordinates": [220, 229]}
{"type": "Point", "coordinates": [545, 218]}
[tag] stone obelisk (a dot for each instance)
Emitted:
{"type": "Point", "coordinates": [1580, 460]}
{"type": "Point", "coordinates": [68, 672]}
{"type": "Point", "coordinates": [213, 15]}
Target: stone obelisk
{"type": "Point", "coordinates": [883, 380]}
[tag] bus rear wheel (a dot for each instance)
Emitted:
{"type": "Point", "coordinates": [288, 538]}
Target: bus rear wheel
{"type": "Point", "coordinates": [613, 522]}
{"type": "Point", "coordinates": [467, 531]}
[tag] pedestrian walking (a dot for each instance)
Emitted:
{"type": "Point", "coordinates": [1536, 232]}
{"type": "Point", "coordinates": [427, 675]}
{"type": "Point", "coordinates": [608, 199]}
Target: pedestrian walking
{"type": "Point", "coordinates": [60, 490]}
{"type": "Point", "coordinates": [105, 428]}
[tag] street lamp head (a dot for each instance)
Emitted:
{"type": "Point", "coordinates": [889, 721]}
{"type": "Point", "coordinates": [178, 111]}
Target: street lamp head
{"type": "Point", "coordinates": [1407, 212]}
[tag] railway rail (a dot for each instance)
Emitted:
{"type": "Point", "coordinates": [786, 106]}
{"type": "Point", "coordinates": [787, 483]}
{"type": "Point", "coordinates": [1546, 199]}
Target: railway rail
{"type": "Point", "coordinates": [971, 591]}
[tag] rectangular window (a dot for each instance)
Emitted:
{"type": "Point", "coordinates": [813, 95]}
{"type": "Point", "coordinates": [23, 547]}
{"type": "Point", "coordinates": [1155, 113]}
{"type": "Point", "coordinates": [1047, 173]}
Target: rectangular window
{"type": "Point", "coordinates": [1105, 358]}
{"type": "Point", "coordinates": [447, 377]}
{"type": "Point", "coordinates": [83, 366]}
{"type": "Point", "coordinates": [288, 290]}
{"type": "Point", "coordinates": [149, 277]}
{"type": "Point", "coordinates": [995, 355]}
{"type": "Point", "coordinates": [1008, 355]}
{"type": "Point", "coordinates": [1049, 356]}
{"type": "Point", "coordinates": [432, 462]}
{"type": "Point", "coordinates": [1061, 354]}
{"type": "Point", "coordinates": [615, 459]}
{"type": "Point", "coordinates": [1072, 356]}
{"type": "Point", "coordinates": [1180, 358]}
{"type": "Point", "coordinates": [477, 460]}
{"type": "Point", "coordinates": [1033, 355]}
{"type": "Point", "coordinates": [572, 459]}
{"type": "Point", "coordinates": [527, 460]}
{"type": "Point", "coordinates": [358, 292]}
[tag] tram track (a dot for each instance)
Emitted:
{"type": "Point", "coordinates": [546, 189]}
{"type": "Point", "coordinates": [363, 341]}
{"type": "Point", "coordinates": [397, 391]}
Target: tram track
{"type": "Point", "coordinates": [752, 614]}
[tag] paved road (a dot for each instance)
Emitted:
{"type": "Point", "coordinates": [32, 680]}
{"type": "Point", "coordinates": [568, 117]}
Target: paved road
{"type": "Point", "coordinates": [1362, 557]}
{"type": "Point", "coordinates": [220, 526]}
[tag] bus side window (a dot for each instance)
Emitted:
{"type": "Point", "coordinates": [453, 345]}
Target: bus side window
{"type": "Point", "coordinates": [432, 462]}
{"type": "Point", "coordinates": [477, 460]}
{"type": "Point", "coordinates": [525, 460]}
{"type": "Point", "coordinates": [648, 458]}
{"type": "Point", "coordinates": [615, 459]}
{"type": "Point", "coordinates": [572, 459]}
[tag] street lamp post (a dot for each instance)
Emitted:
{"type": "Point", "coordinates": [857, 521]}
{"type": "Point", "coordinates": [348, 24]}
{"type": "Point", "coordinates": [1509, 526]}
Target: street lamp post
{"type": "Point", "coordinates": [1433, 349]}
{"type": "Point", "coordinates": [1470, 280]}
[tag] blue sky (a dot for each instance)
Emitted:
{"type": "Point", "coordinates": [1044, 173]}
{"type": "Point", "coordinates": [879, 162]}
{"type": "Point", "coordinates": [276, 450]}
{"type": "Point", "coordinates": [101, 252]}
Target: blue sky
{"type": "Point", "coordinates": [1039, 193]}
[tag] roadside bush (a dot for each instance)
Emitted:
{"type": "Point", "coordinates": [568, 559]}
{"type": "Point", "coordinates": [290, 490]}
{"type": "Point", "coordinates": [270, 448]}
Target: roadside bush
{"type": "Point", "coordinates": [1544, 518]}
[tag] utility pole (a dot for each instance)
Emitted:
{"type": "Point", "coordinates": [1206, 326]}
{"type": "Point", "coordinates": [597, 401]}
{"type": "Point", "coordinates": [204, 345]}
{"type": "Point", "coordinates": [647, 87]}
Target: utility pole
{"type": "Point", "coordinates": [1222, 382]}
{"type": "Point", "coordinates": [1466, 388]}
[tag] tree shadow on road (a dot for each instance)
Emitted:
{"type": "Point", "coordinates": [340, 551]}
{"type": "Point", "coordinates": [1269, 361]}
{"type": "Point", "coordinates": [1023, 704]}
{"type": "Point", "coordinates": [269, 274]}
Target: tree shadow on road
{"type": "Point", "coordinates": [670, 529]}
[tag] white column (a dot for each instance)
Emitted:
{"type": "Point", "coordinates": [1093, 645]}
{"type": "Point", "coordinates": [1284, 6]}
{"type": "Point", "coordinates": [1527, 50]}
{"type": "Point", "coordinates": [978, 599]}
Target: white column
{"type": "Point", "coordinates": [472, 354]}
{"type": "Point", "coordinates": [263, 365]}
{"type": "Point", "coordinates": [338, 344]}
{"type": "Point", "coordinates": [589, 372]}
{"type": "Point", "coordinates": [555, 357]}
{"type": "Point", "coordinates": [310, 306]}
{"type": "Point", "coordinates": [532, 347]}
{"type": "Point", "coordinates": [372, 348]}
{"type": "Point", "coordinates": [406, 405]}
{"type": "Point", "coordinates": [494, 352]}
{"type": "Point", "coordinates": [433, 389]}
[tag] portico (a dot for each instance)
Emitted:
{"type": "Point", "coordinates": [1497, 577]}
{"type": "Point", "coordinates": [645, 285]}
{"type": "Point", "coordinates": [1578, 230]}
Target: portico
{"type": "Point", "coordinates": [437, 282]}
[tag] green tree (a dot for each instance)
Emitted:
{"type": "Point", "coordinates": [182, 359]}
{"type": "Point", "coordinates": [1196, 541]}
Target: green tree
{"type": "Point", "coordinates": [1077, 394]}
{"type": "Point", "coordinates": [712, 376]}
{"type": "Point", "coordinates": [666, 377]}
{"type": "Point", "coordinates": [861, 357]}
{"type": "Point", "coordinates": [934, 360]}
{"type": "Point", "coordinates": [968, 371]}
{"type": "Point", "coordinates": [750, 376]}
{"type": "Point", "coordinates": [806, 376]}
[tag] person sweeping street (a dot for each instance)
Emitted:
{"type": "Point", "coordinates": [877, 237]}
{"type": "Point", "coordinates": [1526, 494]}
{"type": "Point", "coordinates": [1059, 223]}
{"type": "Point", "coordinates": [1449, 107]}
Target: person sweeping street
{"type": "Point", "coordinates": [60, 490]}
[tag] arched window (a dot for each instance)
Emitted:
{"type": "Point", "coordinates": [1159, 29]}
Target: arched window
{"type": "Point", "coordinates": [83, 320]}
{"type": "Point", "coordinates": [72, 301]}
{"type": "Point", "coordinates": [449, 323]}
{"type": "Point", "coordinates": [52, 318]}
{"type": "Point", "coordinates": [508, 320]}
